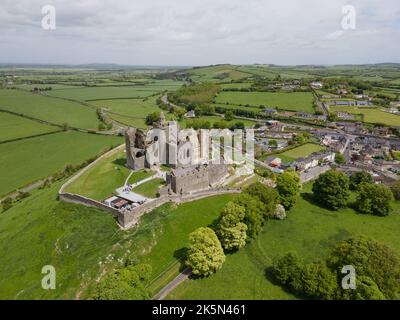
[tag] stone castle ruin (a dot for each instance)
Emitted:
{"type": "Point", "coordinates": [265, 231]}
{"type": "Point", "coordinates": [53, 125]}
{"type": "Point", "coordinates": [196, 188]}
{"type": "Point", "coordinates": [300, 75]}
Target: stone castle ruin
{"type": "Point", "coordinates": [184, 151]}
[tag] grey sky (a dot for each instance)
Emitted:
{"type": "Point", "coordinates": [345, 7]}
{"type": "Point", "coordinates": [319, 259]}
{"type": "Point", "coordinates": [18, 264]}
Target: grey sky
{"type": "Point", "coordinates": [200, 32]}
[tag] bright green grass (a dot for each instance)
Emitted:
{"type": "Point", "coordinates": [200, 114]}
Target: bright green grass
{"type": "Point", "coordinates": [42, 231]}
{"type": "Point", "coordinates": [95, 93]}
{"type": "Point", "coordinates": [218, 73]}
{"type": "Point", "coordinates": [54, 86]}
{"type": "Point", "coordinates": [238, 107]}
{"type": "Point", "coordinates": [302, 151]}
{"type": "Point", "coordinates": [74, 239]}
{"type": "Point", "coordinates": [150, 188]}
{"type": "Point", "coordinates": [135, 122]}
{"type": "Point", "coordinates": [371, 115]}
{"type": "Point", "coordinates": [28, 160]}
{"type": "Point", "coordinates": [296, 101]}
{"type": "Point", "coordinates": [309, 230]}
{"type": "Point", "coordinates": [171, 240]}
{"type": "Point", "coordinates": [213, 119]}
{"type": "Point", "coordinates": [14, 127]}
{"type": "Point", "coordinates": [130, 112]}
{"type": "Point", "coordinates": [237, 85]}
{"type": "Point", "coordinates": [53, 110]}
{"type": "Point", "coordinates": [130, 107]}
{"type": "Point", "coordinates": [140, 175]}
{"type": "Point", "coordinates": [101, 180]}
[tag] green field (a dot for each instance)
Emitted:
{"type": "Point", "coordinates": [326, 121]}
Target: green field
{"type": "Point", "coordinates": [97, 93]}
{"type": "Point", "coordinates": [213, 119]}
{"type": "Point", "coordinates": [309, 230]}
{"type": "Point", "coordinates": [170, 239]}
{"type": "Point", "coordinates": [108, 174]}
{"type": "Point", "coordinates": [131, 112]}
{"type": "Point", "coordinates": [130, 107]}
{"type": "Point", "coordinates": [28, 160]}
{"type": "Point", "coordinates": [300, 152]}
{"type": "Point", "coordinates": [296, 101]}
{"type": "Point", "coordinates": [53, 110]}
{"type": "Point", "coordinates": [75, 239]}
{"type": "Point", "coordinates": [371, 115]}
{"type": "Point", "coordinates": [42, 231]}
{"type": "Point", "coordinates": [103, 178]}
{"type": "Point", "coordinates": [15, 127]}
{"type": "Point", "coordinates": [150, 188]}
{"type": "Point", "coordinates": [217, 73]}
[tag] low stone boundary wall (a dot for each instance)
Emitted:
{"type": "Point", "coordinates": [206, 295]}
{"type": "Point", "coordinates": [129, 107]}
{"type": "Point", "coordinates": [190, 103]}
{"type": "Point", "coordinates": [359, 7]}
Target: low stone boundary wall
{"type": "Point", "coordinates": [78, 199]}
{"type": "Point", "coordinates": [129, 219]}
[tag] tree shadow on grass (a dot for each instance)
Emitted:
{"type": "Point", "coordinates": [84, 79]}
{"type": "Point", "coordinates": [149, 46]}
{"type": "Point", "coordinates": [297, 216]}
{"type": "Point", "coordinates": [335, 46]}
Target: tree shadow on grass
{"type": "Point", "coordinates": [180, 255]}
{"type": "Point", "coordinates": [120, 162]}
{"type": "Point", "coordinates": [309, 197]}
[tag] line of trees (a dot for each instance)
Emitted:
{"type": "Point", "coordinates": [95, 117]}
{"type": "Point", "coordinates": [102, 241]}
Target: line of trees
{"type": "Point", "coordinates": [377, 272]}
{"type": "Point", "coordinates": [332, 190]}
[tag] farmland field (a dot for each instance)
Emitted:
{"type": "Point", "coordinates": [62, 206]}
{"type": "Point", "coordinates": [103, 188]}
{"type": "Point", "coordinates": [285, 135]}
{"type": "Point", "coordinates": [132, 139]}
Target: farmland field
{"type": "Point", "coordinates": [53, 110]}
{"type": "Point", "coordinates": [309, 230]}
{"type": "Point", "coordinates": [371, 115]}
{"type": "Point", "coordinates": [28, 160]}
{"type": "Point", "coordinates": [218, 73]}
{"type": "Point", "coordinates": [130, 107]}
{"type": "Point", "coordinates": [296, 101]}
{"type": "Point", "coordinates": [97, 93]}
{"type": "Point", "coordinates": [213, 119]}
{"type": "Point", "coordinates": [14, 127]}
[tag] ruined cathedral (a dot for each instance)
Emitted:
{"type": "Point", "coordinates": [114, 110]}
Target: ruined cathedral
{"type": "Point", "coordinates": [184, 151]}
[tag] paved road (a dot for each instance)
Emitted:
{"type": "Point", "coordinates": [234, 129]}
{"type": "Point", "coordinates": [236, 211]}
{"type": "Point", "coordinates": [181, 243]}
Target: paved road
{"type": "Point", "coordinates": [184, 275]}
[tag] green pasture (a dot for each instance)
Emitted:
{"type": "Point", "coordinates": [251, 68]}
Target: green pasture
{"type": "Point", "coordinates": [295, 101]}
{"type": "Point", "coordinates": [28, 160]}
{"type": "Point", "coordinates": [15, 127]}
{"type": "Point", "coordinates": [53, 110]}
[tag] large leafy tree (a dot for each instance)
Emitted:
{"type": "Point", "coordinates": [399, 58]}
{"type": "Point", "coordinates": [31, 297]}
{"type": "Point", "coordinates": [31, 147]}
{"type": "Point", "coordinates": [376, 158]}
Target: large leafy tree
{"type": "Point", "coordinates": [395, 187]}
{"type": "Point", "coordinates": [205, 255]}
{"type": "Point", "coordinates": [288, 187]}
{"type": "Point", "coordinates": [359, 177]}
{"type": "Point", "coordinates": [152, 118]}
{"type": "Point", "coordinates": [255, 212]}
{"type": "Point", "coordinates": [377, 270]}
{"type": "Point", "coordinates": [231, 229]}
{"type": "Point", "coordinates": [371, 259]}
{"type": "Point", "coordinates": [331, 189]}
{"type": "Point", "coordinates": [374, 199]}
{"type": "Point", "coordinates": [267, 195]}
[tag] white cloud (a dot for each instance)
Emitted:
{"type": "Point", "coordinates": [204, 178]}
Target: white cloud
{"type": "Point", "coordinates": [200, 31]}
